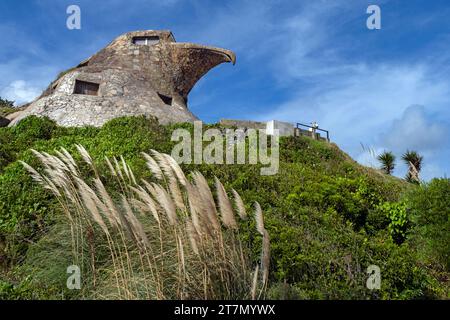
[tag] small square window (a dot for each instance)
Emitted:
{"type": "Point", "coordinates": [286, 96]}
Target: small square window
{"type": "Point", "coordinates": [84, 87]}
{"type": "Point", "coordinates": [146, 41]}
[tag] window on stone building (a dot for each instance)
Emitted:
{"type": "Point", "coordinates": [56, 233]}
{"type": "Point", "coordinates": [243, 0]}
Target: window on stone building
{"type": "Point", "coordinates": [166, 99]}
{"type": "Point", "coordinates": [84, 87]}
{"type": "Point", "coordinates": [146, 41]}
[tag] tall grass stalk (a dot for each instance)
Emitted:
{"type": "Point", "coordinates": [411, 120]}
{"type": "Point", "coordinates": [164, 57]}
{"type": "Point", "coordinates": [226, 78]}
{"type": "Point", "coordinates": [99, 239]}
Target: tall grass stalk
{"type": "Point", "coordinates": [164, 239]}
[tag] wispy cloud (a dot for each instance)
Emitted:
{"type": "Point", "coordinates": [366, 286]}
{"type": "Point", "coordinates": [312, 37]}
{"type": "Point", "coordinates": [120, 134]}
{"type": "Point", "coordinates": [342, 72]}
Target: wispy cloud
{"type": "Point", "coordinates": [20, 92]}
{"type": "Point", "coordinates": [354, 97]}
{"type": "Point", "coordinates": [416, 130]}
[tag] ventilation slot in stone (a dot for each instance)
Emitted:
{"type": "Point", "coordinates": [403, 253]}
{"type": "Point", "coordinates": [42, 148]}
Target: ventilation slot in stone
{"type": "Point", "coordinates": [146, 41]}
{"type": "Point", "coordinates": [88, 88]}
{"type": "Point", "coordinates": [166, 99]}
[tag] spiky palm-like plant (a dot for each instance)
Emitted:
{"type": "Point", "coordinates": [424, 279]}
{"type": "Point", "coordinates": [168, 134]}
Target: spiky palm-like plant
{"type": "Point", "coordinates": [414, 162]}
{"type": "Point", "coordinates": [387, 160]}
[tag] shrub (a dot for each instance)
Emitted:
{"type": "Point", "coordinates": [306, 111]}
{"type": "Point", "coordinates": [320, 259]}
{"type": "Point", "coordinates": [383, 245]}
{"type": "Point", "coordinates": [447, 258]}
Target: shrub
{"type": "Point", "coordinates": [6, 103]}
{"type": "Point", "coordinates": [429, 208]}
{"type": "Point", "coordinates": [398, 220]}
{"type": "Point", "coordinates": [6, 107]}
{"type": "Point", "coordinates": [7, 152]}
{"type": "Point", "coordinates": [33, 128]}
{"type": "Point", "coordinates": [25, 211]}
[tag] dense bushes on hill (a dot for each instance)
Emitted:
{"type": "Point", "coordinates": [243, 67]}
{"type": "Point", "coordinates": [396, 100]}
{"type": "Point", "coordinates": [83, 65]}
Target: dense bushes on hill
{"type": "Point", "coordinates": [429, 210]}
{"type": "Point", "coordinates": [328, 217]}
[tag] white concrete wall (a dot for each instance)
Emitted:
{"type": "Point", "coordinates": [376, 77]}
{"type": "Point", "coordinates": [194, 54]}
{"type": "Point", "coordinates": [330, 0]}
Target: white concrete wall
{"type": "Point", "coordinates": [284, 128]}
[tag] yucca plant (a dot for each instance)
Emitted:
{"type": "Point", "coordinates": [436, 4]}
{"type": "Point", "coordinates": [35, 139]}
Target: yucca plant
{"type": "Point", "coordinates": [165, 239]}
{"type": "Point", "coordinates": [414, 162]}
{"type": "Point", "coordinates": [387, 160]}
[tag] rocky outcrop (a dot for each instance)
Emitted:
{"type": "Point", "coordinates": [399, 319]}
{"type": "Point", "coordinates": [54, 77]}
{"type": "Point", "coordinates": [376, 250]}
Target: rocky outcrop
{"type": "Point", "coordinates": [139, 73]}
{"type": "Point", "coordinates": [3, 122]}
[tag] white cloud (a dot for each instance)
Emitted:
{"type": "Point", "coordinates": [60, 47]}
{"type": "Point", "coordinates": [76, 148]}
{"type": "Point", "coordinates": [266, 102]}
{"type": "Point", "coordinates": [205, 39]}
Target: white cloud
{"type": "Point", "coordinates": [22, 80]}
{"type": "Point", "coordinates": [415, 130]}
{"type": "Point", "coordinates": [20, 92]}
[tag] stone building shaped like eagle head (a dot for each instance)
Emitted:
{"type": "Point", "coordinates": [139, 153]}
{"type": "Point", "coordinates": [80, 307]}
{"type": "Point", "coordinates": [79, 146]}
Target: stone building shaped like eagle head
{"type": "Point", "coordinates": [139, 73]}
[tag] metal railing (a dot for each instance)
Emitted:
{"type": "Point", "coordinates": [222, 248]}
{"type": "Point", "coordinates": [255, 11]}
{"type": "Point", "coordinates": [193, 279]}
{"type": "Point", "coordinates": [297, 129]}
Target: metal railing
{"type": "Point", "coordinates": [299, 125]}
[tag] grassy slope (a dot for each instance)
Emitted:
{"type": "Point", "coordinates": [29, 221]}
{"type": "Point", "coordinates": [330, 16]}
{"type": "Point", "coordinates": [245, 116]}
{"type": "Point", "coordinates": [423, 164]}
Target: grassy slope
{"type": "Point", "coordinates": [321, 211]}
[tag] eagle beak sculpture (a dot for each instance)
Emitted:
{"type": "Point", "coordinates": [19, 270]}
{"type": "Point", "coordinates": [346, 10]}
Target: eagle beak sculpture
{"type": "Point", "coordinates": [193, 62]}
{"type": "Point", "coordinates": [139, 73]}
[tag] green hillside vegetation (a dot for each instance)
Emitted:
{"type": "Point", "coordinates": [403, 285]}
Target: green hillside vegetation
{"type": "Point", "coordinates": [328, 217]}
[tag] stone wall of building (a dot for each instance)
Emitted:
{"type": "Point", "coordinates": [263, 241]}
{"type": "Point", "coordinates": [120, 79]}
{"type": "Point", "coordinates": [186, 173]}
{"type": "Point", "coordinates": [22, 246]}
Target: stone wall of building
{"type": "Point", "coordinates": [244, 124]}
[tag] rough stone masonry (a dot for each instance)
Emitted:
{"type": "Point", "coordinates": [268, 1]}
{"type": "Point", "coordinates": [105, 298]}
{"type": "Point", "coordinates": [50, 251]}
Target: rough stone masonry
{"type": "Point", "coordinates": [139, 73]}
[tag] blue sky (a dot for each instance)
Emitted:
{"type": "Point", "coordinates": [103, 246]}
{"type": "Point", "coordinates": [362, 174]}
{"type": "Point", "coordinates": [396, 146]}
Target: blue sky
{"type": "Point", "coordinates": [299, 61]}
